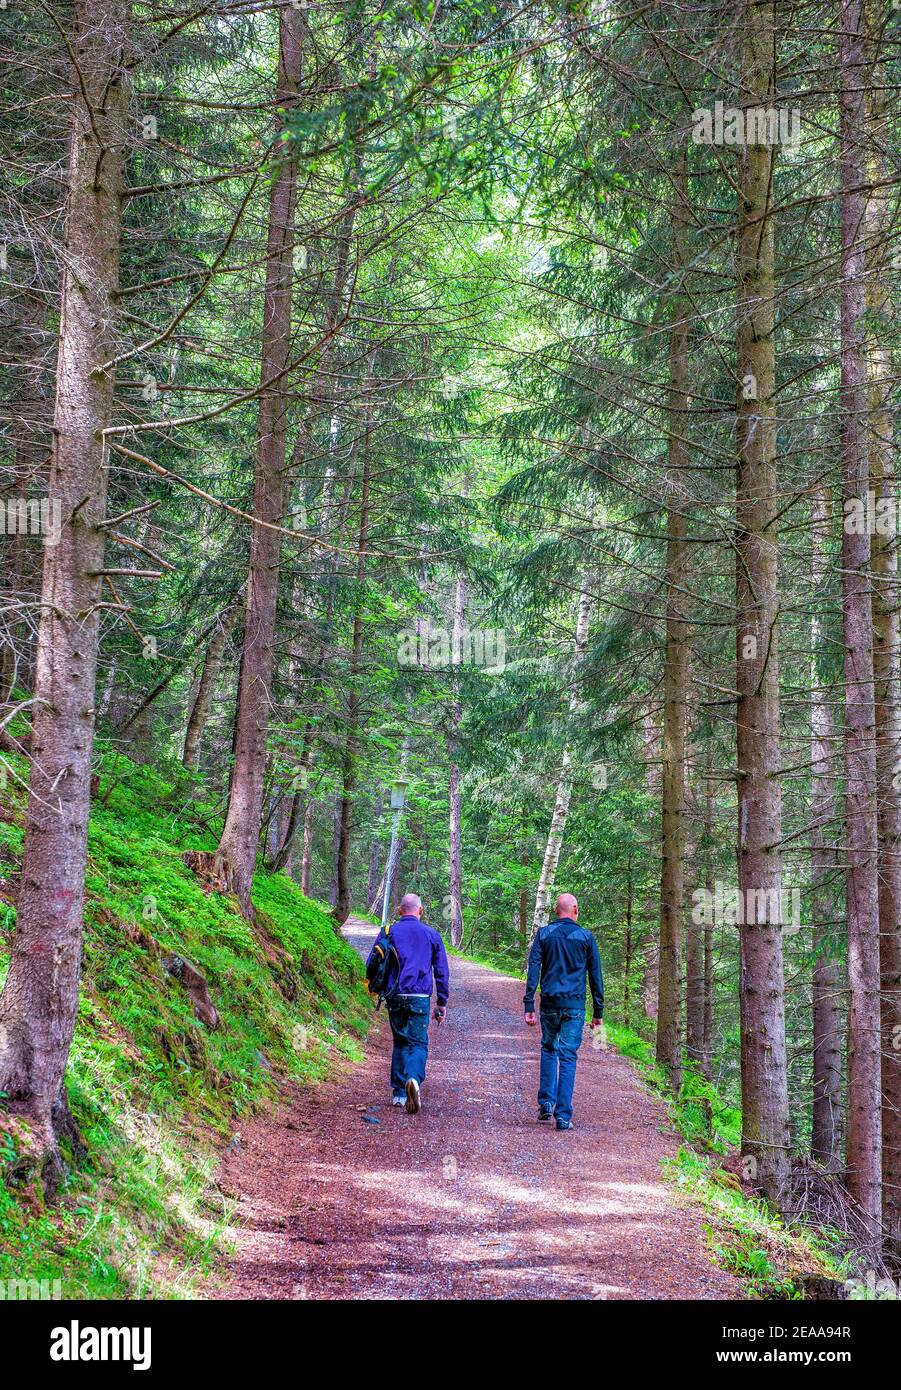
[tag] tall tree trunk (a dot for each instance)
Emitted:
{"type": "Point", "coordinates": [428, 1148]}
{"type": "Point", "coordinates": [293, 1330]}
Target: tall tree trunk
{"type": "Point", "coordinates": [374, 852]}
{"type": "Point", "coordinates": [323, 392]}
{"type": "Point", "coordinates": [886, 626]}
{"type": "Point", "coordinates": [307, 854]}
{"type": "Point", "coordinates": [287, 829]}
{"type": "Point", "coordinates": [456, 714]}
{"type": "Point", "coordinates": [20, 583]}
{"type": "Point", "coordinates": [40, 997]}
{"type": "Point", "coordinates": [651, 755]}
{"type": "Point", "coordinates": [864, 1156]}
{"type": "Point", "coordinates": [695, 981]}
{"type": "Point", "coordinates": [13, 592]}
{"type": "Point", "coordinates": [336, 850]}
{"type": "Point", "coordinates": [355, 696]}
{"type": "Point", "coordinates": [628, 951]}
{"type": "Point", "coordinates": [324, 387]}
{"type": "Point", "coordinates": [103, 704]}
{"type": "Point", "coordinates": [826, 1136]}
{"type": "Point", "coordinates": [564, 785]}
{"type": "Point", "coordinates": [274, 828]}
{"type": "Point", "coordinates": [764, 1080]}
{"type": "Point", "coordinates": [322, 396]}
{"type": "Point", "coordinates": [524, 899]}
{"type": "Point", "coordinates": [236, 855]}
{"type": "Point", "coordinates": [28, 407]}
{"type": "Point", "coordinates": [707, 1048]}
{"type": "Point", "coordinates": [200, 709]}
{"type": "Point", "coordinates": [669, 975]}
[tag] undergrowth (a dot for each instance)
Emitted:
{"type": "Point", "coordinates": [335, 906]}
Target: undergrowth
{"type": "Point", "coordinates": [745, 1234]}
{"type": "Point", "coordinates": [155, 1092]}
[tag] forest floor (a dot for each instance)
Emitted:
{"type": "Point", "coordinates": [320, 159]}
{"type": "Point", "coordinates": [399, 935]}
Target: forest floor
{"type": "Point", "coordinates": [342, 1196]}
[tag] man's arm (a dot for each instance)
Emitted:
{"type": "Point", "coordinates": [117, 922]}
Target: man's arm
{"type": "Point", "coordinates": [440, 971]}
{"type": "Point", "coordinates": [533, 975]}
{"type": "Point", "coordinates": [596, 978]}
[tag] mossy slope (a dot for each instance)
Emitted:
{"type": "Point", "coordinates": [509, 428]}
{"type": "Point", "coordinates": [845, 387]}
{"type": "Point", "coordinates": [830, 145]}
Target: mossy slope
{"type": "Point", "coordinates": [154, 1090]}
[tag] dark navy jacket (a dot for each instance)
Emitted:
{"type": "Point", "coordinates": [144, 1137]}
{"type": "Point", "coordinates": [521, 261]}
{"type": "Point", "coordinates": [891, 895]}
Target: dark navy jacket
{"type": "Point", "coordinates": [421, 952]}
{"type": "Point", "coordinates": [562, 954]}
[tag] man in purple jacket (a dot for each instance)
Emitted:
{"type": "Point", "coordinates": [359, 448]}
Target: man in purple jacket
{"type": "Point", "coordinates": [420, 951]}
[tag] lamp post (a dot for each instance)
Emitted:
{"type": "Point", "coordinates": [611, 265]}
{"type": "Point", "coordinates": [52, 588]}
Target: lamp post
{"type": "Point", "coordinates": [398, 797]}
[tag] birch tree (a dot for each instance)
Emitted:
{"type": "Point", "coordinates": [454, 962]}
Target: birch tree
{"type": "Point", "coordinates": [564, 783]}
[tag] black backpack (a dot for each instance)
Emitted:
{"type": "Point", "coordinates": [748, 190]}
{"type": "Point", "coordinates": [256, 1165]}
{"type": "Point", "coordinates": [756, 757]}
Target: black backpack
{"type": "Point", "coordinates": [384, 963]}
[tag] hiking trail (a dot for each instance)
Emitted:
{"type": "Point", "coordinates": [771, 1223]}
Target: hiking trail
{"type": "Point", "coordinates": [341, 1196]}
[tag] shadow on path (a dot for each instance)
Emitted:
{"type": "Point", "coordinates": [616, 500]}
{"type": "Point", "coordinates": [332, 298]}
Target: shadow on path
{"type": "Point", "coordinates": [471, 1198]}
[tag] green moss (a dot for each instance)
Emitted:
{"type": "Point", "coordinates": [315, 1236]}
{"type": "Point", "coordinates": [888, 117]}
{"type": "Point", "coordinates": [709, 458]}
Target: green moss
{"type": "Point", "coordinates": [154, 1090]}
{"type": "Point", "coordinates": [745, 1234]}
{"type": "Point", "coordinates": [747, 1237]}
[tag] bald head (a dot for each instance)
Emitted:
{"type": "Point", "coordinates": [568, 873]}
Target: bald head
{"type": "Point", "coordinates": [410, 906]}
{"type": "Point", "coordinates": [566, 906]}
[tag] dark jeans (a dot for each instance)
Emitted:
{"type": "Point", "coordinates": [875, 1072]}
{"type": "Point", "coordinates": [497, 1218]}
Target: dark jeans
{"type": "Point", "coordinates": [561, 1036]}
{"type": "Point", "coordinates": [409, 1019]}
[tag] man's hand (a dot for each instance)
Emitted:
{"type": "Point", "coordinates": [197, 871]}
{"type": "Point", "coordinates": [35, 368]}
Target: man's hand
{"type": "Point", "coordinates": [531, 1018]}
{"type": "Point", "coordinates": [440, 1013]}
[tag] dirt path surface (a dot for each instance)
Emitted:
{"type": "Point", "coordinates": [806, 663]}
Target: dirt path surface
{"type": "Point", "coordinates": [342, 1196]}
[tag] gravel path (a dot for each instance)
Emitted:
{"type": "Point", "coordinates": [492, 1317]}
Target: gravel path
{"type": "Point", "coordinates": [342, 1196]}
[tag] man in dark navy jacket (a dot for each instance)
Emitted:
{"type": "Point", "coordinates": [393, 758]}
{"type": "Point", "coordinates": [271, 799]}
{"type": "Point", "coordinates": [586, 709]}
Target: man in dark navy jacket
{"type": "Point", "coordinates": [420, 951]}
{"type": "Point", "coordinates": [563, 954]}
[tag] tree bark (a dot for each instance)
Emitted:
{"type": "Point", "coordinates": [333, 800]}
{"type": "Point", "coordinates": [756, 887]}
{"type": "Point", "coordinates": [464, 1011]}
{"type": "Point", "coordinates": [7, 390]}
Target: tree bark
{"type": "Point", "coordinates": [826, 1131]}
{"type": "Point", "coordinates": [523, 899]}
{"type": "Point", "coordinates": [455, 858]}
{"type": "Point", "coordinates": [284, 842]}
{"type": "Point", "coordinates": [354, 698]}
{"type": "Point", "coordinates": [628, 950]}
{"type": "Point", "coordinates": [707, 1048]}
{"type": "Point", "coordinates": [765, 1137]}
{"type": "Point", "coordinates": [40, 998]}
{"type": "Point", "coordinates": [374, 852]}
{"type": "Point", "coordinates": [307, 854]}
{"type": "Point", "coordinates": [236, 854]}
{"type": "Point", "coordinates": [669, 975]}
{"type": "Point", "coordinates": [14, 589]}
{"type": "Point", "coordinates": [864, 1140]}
{"type": "Point", "coordinates": [336, 850]}
{"type": "Point", "coordinates": [324, 385]}
{"type": "Point", "coordinates": [695, 985]}
{"type": "Point", "coordinates": [651, 755]}
{"type": "Point", "coordinates": [28, 407]}
{"type": "Point", "coordinates": [200, 710]}
{"type": "Point", "coordinates": [886, 626]}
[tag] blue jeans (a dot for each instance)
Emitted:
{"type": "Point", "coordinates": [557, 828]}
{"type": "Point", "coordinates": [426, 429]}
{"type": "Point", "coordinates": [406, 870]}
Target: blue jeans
{"type": "Point", "coordinates": [409, 1018]}
{"type": "Point", "coordinates": [561, 1037]}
